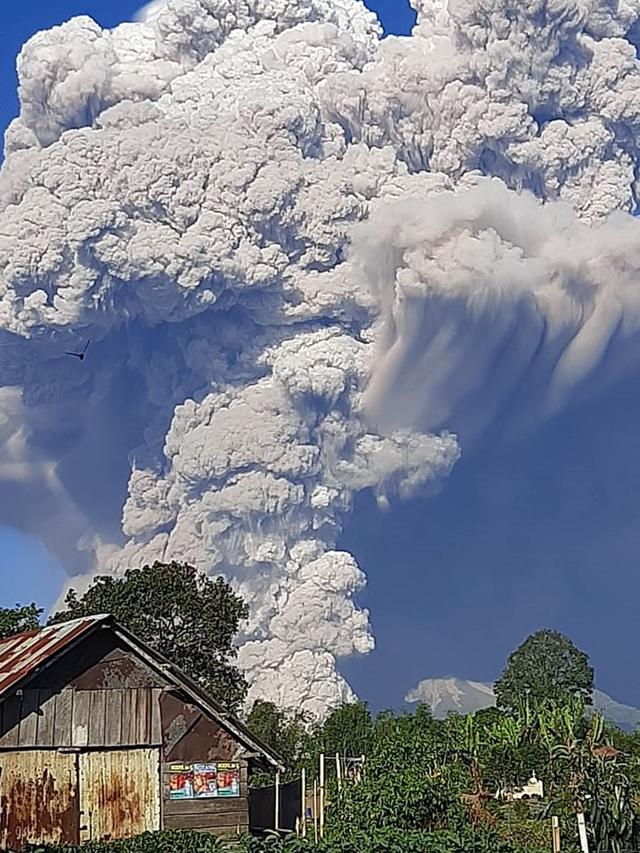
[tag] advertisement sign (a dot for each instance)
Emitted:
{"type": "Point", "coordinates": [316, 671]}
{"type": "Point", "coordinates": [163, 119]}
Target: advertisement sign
{"type": "Point", "coordinates": [180, 782]}
{"type": "Point", "coordinates": [228, 779]}
{"type": "Point", "coordinates": [205, 780]}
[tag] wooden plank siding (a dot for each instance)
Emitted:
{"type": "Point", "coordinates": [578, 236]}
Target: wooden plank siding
{"type": "Point", "coordinates": [103, 724]}
{"type": "Point", "coordinates": [81, 718]}
{"type": "Point", "coordinates": [226, 816]}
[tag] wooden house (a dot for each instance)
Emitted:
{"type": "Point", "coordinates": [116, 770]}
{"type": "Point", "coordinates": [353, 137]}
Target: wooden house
{"type": "Point", "coordinates": [103, 738]}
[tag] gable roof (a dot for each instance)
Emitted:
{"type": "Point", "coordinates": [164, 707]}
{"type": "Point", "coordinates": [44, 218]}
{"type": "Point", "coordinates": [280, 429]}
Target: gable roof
{"type": "Point", "coordinates": [23, 656]}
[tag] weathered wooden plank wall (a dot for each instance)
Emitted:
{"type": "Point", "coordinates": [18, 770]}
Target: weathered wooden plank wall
{"type": "Point", "coordinates": [102, 701]}
{"type": "Point", "coordinates": [222, 816]}
{"type": "Point", "coordinates": [81, 718]}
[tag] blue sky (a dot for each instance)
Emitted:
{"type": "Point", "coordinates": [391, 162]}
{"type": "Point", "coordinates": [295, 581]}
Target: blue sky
{"type": "Point", "coordinates": [539, 533]}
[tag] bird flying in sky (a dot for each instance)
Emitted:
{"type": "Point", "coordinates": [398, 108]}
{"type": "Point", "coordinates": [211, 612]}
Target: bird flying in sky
{"type": "Point", "coordinates": [82, 354]}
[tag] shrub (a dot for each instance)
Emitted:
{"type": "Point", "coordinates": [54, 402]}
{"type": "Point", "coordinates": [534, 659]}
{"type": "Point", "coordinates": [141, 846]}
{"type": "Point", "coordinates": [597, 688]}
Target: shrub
{"type": "Point", "coordinates": [148, 842]}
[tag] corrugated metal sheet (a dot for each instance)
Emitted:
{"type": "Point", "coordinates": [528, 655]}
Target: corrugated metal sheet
{"type": "Point", "coordinates": [25, 653]}
{"type": "Point", "coordinates": [38, 799]}
{"type": "Point", "coordinates": [119, 793]}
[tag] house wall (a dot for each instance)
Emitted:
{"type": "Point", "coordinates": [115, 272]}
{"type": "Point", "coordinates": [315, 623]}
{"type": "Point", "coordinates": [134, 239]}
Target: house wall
{"type": "Point", "coordinates": [99, 698]}
{"type": "Point", "coordinates": [191, 738]}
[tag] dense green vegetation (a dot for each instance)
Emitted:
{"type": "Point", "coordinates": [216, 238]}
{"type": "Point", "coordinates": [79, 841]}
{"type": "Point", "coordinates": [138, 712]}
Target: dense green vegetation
{"type": "Point", "coordinates": [432, 784]}
{"type": "Point", "coordinates": [16, 620]}
{"type": "Point", "coordinates": [546, 666]}
{"type": "Point", "coordinates": [428, 786]}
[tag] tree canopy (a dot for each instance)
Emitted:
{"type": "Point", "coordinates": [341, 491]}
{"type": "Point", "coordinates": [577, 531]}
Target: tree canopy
{"type": "Point", "coordinates": [15, 620]}
{"type": "Point", "coordinates": [183, 614]}
{"type": "Point", "coordinates": [286, 733]}
{"type": "Point", "coordinates": [547, 666]}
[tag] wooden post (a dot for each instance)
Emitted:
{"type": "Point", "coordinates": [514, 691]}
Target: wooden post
{"type": "Point", "coordinates": [322, 792]}
{"type": "Point", "coordinates": [338, 771]}
{"type": "Point", "coordinates": [277, 802]}
{"type": "Point", "coordinates": [315, 810]}
{"type": "Point", "coordinates": [303, 783]}
{"type": "Point", "coordinates": [555, 834]}
{"type": "Point", "coordinates": [582, 832]}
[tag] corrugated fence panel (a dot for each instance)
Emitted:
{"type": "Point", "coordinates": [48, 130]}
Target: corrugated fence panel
{"type": "Point", "coordinates": [38, 799]}
{"type": "Point", "coordinates": [120, 793]}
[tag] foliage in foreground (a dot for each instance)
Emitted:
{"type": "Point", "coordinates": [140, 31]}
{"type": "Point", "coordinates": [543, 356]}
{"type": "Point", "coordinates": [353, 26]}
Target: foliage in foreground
{"type": "Point", "coordinates": [373, 841]}
{"type": "Point", "coordinates": [148, 842]}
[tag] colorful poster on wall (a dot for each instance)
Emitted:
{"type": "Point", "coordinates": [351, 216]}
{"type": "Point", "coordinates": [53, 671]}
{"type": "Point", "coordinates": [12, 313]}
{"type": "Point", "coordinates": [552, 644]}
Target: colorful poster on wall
{"type": "Point", "coordinates": [180, 782]}
{"type": "Point", "coordinates": [228, 779]}
{"type": "Point", "coordinates": [205, 780]}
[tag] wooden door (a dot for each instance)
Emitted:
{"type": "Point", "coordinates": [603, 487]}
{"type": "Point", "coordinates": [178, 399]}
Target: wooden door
{"type": "Point", "coordinates": [38, 798]}
{"type": "Point", "coordinates": [119, 793]}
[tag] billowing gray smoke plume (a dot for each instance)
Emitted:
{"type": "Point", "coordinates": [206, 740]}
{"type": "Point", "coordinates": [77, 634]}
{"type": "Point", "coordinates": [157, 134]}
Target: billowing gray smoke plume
{"type": "Point", "coordinates": [303, 254]}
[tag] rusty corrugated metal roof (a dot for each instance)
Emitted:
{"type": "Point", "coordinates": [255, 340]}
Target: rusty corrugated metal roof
{"type": "Point", "coordinates": [24, 653]}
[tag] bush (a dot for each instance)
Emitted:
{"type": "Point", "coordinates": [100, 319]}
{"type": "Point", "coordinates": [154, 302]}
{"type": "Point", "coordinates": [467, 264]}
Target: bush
{"type": "Point", "coordinates": [378, 840]}
{"type": "Point", "coordinates": [148, 842]}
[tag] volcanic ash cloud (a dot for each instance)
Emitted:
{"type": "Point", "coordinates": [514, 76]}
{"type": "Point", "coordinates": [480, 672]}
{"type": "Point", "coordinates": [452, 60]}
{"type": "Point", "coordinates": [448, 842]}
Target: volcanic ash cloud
{"type": "Point", "coordinates": [301, 253]}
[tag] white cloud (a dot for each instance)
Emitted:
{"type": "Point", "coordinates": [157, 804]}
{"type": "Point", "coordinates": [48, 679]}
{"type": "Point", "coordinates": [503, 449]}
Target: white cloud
{"type": "Point", "coordinates": [184, 190]}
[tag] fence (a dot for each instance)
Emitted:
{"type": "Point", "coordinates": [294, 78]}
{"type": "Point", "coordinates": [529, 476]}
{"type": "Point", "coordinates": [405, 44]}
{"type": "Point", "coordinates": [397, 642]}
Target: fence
{"type": "Point", "coordinates": [277, 807]}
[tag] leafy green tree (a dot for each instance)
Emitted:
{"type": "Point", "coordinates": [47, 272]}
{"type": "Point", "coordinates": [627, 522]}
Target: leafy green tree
{"type": "Point", "coordinates": [183, 614]}
{"type": "Point", "coordinates": [16, 620]}
{"type": "Point", "coordinates": [347, 730]}
{"type": "Point", "coordinates": [286, 733]}
{"type": "Point", "coordinates": [547, 666]}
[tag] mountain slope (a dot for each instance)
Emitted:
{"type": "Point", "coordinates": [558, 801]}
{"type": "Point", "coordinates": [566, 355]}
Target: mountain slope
{"type": "Point", "coordinates": [443, 695]}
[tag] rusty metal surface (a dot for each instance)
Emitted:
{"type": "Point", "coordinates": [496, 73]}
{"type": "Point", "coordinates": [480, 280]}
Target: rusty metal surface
{"type": "Point", "coordinates": [189, 735]}
{"type": "Point", "coordinates": [25, 653]}
{"type": "Point", "coordinates": [25, 657]}
{"type": "Point", "coordinates": [38, 799]}
{"type": "Point", "coordinates": [122, 671]}
{"type": "Point", "coordinates": [119, 793]}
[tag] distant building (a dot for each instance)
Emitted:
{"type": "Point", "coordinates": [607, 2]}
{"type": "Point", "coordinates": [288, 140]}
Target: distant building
{"type": "Point", "coordinates": [534, 789]}
{"type": "Point", "coordinates": [103, 738]}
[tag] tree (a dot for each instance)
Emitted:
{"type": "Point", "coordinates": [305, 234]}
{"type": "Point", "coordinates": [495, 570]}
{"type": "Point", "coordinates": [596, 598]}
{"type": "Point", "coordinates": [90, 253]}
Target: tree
{"type": "Point", "coordinates": [284, 732]}
{"type": "Point", "coordinates": [183, 614]}
{"type": "Point", "coordinates": [547, 666]}
{"type": "Point", "coordinates": [347, 730]}
{"type": "Point", "coordinates": [16, 620]}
